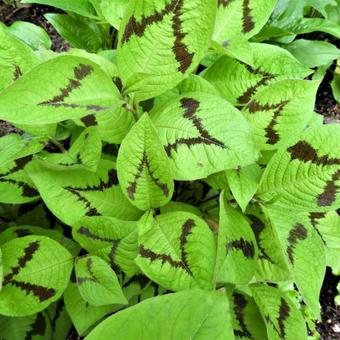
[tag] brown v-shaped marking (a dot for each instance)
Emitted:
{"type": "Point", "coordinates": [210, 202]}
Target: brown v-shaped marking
{"type": "Point", "coordinates": [191, 106]}
{"type": "Point", "coordinates": [284, 311]}
{"type": "Point", "coordinates": [92, 278]}
{"type": "Point", "coordinates": [328, 196]}
{"type": "Point", "coordinates": [246, 247]}
{"type": "Point", "coordinates": [179, 49]}
{"type": "Point", "coordinates": [298, 233]}
{"type": "Point", "coordinates": [131, 189]}
{"type": "Point", "coordinates": [240, 303]}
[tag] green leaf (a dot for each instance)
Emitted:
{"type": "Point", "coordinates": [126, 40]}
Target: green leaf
{"type": "Point", "coordinates": [283, 319]}
{"type": "Point", "coordinates": [81, 192]}
{"type": "Point", "coordinates": [304, 175]}
{"type": "Point", "coordinates": [114, 11]}
{"type": "Point", "coordinates": [203, 134]}
{"type": "Point", "coordinates": [335, 84]}
{"type": "Point", "coordinates": [113, 240]}
{"type": "Point", "coordinates": [236, 247]}
{"type": "Point", "coordinates": [240, 18]}
{"type": "Point", "coordinates": [271, 262]}
{"type": "Point", "coordinates": [246, 318]}
{"type": "Point", "coordinates": [33, 35]}
{"type": "Point", "coordinates": [271, 64]}
{"type": "Point", "coordinates": [84, 316]}
{"type": "Point", "coordinates": [161, 41]}
{"type": "Point", "coordinates": [274, 112]}
{"type": "Point", "coordinates": [82, 7]}
{"type": "Point", "coordinates": [304, 251]}
{"type": "Point", "coordinates": [34, 276]}
{"type": "Point", "coordinates": [16, 59]}
{"type": "Point", "coordinates": [79, 89]}
{"type": "Point", "coordinates": [37, 327]}
{"type": "Point", "coordinates": [243, 183]}
{"type": "Point", "coordinates": [97, 282]}
{"type": "Point", "coordinates": [313, 53]}
{"type": "Point", "coordinates": [144, 170]}
{"type": "Point", "coordinates": [177, 250]}
{"type": "Point", "coordinates": [167, 316]}
{"type": "Point", "coordinates": [79, 31]}
{"type": "Point", "coordinates": [1, 270]}
{"type": "Point", "coordinates": [60, 321]}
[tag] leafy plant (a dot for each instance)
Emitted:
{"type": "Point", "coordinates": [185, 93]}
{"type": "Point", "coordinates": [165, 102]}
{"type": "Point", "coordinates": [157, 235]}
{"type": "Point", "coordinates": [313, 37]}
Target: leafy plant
{"type": "Point", "coordinates": [176, 183]}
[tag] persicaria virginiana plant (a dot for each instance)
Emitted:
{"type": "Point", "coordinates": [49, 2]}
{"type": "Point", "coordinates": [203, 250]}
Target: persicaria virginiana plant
{"type": "Point", "coordinates": [169, 179]}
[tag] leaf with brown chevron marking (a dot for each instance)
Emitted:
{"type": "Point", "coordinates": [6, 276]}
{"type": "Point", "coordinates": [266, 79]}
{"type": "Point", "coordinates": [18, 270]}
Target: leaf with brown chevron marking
{"type": "Point", "coordinates": [33, 274]}
{"type": "Point", "coordinates": [144, 170]}
{"type": "Point", "coordinates": [282, 317]}
{"type": "Point", "coordinates": [304, 175]}
{"type": "Point", "coordinates": [237, 251]}
{"type": "Point", "coordinates": [176, 250]}
{"type": "Point", "coordinates": [81, 192]}
{"type": "Point", "coordinates": [203, 134]}
{"type": "Point", "coordinates": [303, 245]}
{"type": "Point", "coordinates": [174, 34]}
{"type": "Point", "coordinates": [113, 240]}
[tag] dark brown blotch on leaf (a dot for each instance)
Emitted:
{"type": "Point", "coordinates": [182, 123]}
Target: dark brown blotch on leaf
{"type": "Point", "coordinates": [246, 247]}
{"type": "Point", "coordinates": [298, 233]}
{"type": "Point", "coordinates": [328, 196]}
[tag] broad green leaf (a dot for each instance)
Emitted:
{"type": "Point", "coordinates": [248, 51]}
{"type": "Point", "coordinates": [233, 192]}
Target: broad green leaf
{"type": "Point", "coordinates": [34, 276]}
{"type": "Point", "coordinates": [203, 134]}
{"type": "Point", "coordinates": [36, 327]}
{"type": "Point", "coordinates": [195, 83]}
{"type": "Point", "coordinates": [313, 53]}
{"type": "Point", "coordinates": [271, 262]}
{"type": "Point", "coordinates": [167, 317]}
{"type": "Point", "coordinates": [180, 206]}
{"type": "Point", "coordinates": [16, 59]}
{"type": "Point", "coordinates": [160, 41]}
{"type": "Point", "coordinates": [113, 240]}
{"type": "Point", "coordinates": [240, 18]}
{"type": "Point", "coordinates": [243, 183]}
{"type": "Point", "coordinates": [74, 193]}
{"type": "Point", "coordinates": [15, 185]}
{"type": "Point", "coordinates": [280, 110]}
{"type": "Point", "coordinates": [80, 89]}
{"type": "Point", "coordinates": [177, 250]}
{"type": "Point", "coordinates": [84, 316]}
{"type": "Point", "coordinates": [283, 319]}
{"type": "Point", "coordinates": [246, 318]}
{"type": "Point", "coordinates": [144, 170]}
{"type": "Point", "coordinates": [97, 282]}
{"type": "Point", "coordinates": [14, 232]}
{"type": "Point", "coordinates": [238, 82]}
{"type": "Point", "coordinates": [113, 11]}
{"type": "Point", "coordinates": [236, 247]}
{"type": "Point", "coordinates": [82, 7]}
{"type": "Point", "coordinates": [304, 175]}
{"type": "Point", "coordinates": [60, 321]}
{"type": "Point", "coordinates": [33, 35]}
{"type": "Point", "coordinates": [305, 253]}
{"type": "Point", "coordinates": [78, 31]}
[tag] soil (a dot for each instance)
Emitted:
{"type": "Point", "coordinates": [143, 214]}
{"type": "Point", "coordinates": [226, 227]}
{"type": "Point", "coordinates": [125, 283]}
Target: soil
{"type": "Point", "coordinates": [329, 327]}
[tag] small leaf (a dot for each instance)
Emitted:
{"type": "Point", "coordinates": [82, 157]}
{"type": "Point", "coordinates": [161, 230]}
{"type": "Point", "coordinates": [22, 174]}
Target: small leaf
{"type": "Point", "coordinates": [236, 247]}
{"type": "Point", "coordinates": [144, 170]}
{"type": "Point", "coordinates": [167, 315]}
{"type": "Point", "coordinates": [97, 282]}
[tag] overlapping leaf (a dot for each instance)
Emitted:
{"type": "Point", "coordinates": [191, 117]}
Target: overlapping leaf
{"type": "Point", "coordinates": [238, 82]}
{"type": "Point", "coordinates": [168, 315]}
{"type": "Point", "coordinates": [246, 318]}
{"type": "Point", "coordinates": [16, 58]}
{"type": "Point", "coordinates": [282, 317]}
{"type": "Point", "coordinates": [305, 174]}
{"type": "Point", "coordinates": [236, 250]}
{"type": "Point", "coordinates": [74, 193]}
{"type": "Point", "coordinates": [278, 111]}
{"type": "Point", "coordinates": [176, 250]}
{"type": "Point", "coordinates": [203, 134]}
{"type": "Point", "coordinates": [161, 41]}
{"type": "Point", "coordinates": [79, 89]}
{"type": "Point", "coordinates": [97, 282]}
{"type": "Point", "coordinates": [36, 273]}
{"type": "Point", "coordinates": [144, 170]}
{"type": "Point", "coordinates": [113, 240]}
